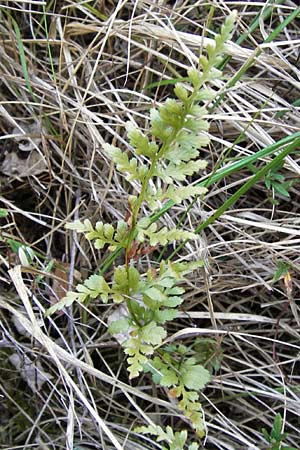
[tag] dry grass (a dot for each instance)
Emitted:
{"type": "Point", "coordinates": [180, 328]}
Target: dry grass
{"type": "Point", "coordinates": [72, 74]}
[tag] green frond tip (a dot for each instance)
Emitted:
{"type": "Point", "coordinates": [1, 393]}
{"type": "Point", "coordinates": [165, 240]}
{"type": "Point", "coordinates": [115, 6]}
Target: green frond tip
{"type": "Point", "coordinates": [164, 236]}
{"type": "Point", "coordinates": [138, 354]}
{"type": "Point", "coordinates": [79, 226]}
{"type": "Point", "coordinates": [125, 165]}
{"type": "Point", "coordinates": [228, 25]}
{"type": "Point", "coordinates": [175, 441]}
{"type": "Point", "coordinates": [215, 52]}
{"type": "Point", "coordinates": [93, 287]}
{"type": "Point", "coordinates": [140, 142]}
{"type": "Point", "coordinates": [141, 345]}
{"type": "Point", "coordinates": [194, 376]}
{"type": "Point", "coordinates": [66, 301]}
{"type": "Point", "coordinates": [103, 233]}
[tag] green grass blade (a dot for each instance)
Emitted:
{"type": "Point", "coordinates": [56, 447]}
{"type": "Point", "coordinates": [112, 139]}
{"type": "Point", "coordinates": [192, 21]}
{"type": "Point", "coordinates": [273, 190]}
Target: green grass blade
{"type": "Point", "coordinates": [22, 55]}
{"type": "Point", "coordinates": [252, 27]}
{"type": "Point", "coordinates": [260, 174]}
{"type": "Point", "coordinates": [256, 54]}
{"type": "Point", "coordinates": [291, 142]}
{"type": "Point", "coordinates": [236, 166]}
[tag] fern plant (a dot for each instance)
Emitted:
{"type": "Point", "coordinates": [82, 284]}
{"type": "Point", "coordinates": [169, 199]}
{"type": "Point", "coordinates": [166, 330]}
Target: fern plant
{"type": "Point", "coordinates": [158, 161]}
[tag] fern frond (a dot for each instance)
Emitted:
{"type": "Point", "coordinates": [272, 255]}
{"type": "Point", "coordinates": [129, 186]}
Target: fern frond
{"type": "Point", "coordinates": [102, 234]}
{"type": "Point", "coordinates": [191, 408]}
{"type": "Point", "coordinates": [125, 165]}
{"type": "Point", "coordinates": [178, 194]}
{"type": "Point", "coordinates": [126, 283]}
{"type": "Point", "coordinates": [176, 441]}
{"type": "Point", "coordinates": [141, 345]}
{"type": "Point", "coordinates": [164, 236]}
{"type": "Point", "coordinates": [180, 171]}
{"type": "Point", "coordinates": [140, 142]}
{"type": "Point", "coordinates": [174, 193]}
{"type": "Point", "coordinates": [80, 227]}
{"type": "Point", "coordinates": [216, 50]}
{"type": "Point", "coordinates": [93, 287]}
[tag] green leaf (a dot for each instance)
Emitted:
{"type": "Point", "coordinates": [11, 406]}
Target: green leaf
{"type": "Point", "coordinates": [265, 434]}
{"type": "Point", "coordinates": [180, 171]}
{"type": "Point", "coordinates": [158, 127]}
{"type": "Point", "coordinates": [66, 301]}
{"type": "Point", "coordinates": [268, 182]}
{"type": "Point", "coordinates": [108, 231]}
{"type": "Point", "coordinates": [176, 291]}
{"type": "Point", "coordinates": [153, 334]}
{"type": "Point", "coordinates": [123, 163]}
{"type": "Point", "coordinates": [190, 141]}
{"type": "Point", "coordinates": [186, 148]}
{"type": "Point", "coordinates": [155, 430]}
{"type": "Point", "coordinates": [280, 189]}
{"type": "Point", "coordinates": [178, 194]}
{"type": "Point", "coordinates": [282, 270]}
{"type": "Point", "coordinates": [181, 92]}
{"type": "Point", "coordinates": [80, 227]}
{"type": "Point", "coordinates": [138, 354]}
{"type": "Point", "coordinates": [155, 294]}
{"type": "Point", "coordinates": [140, 142]}
{"type": "Point", "coordinates": [277, 427]}
{"type": "Point", "coordinates": [166, 282]}
{"type": "Point", "coordinates": [276, 176]}
{"type": "Point", "coordinates": [122, 232]}
{"type": "Point", "coordinates": [164, 236]}
{"type": "Point", "coordinates": [176, 441]}
{"type": "Point", "coordinates": [169, 377]}
{"type": "Point", "coordinates": [136, 365]}
{"type": "Point", "coordinates": [179, 270]}
{"type": "Point", "coordinates": [3, 213]}
{"type": "Point", "coordinates": [166, 315]}
{"type": "Point", "coordinates": [193, 446]}
{"type": "Point", "coordinates": [191, 409]}
{"type": "Point", "coordinates": [144, 222]}
{"type": "Point", "coordinates": [205, 95]}
{"type": "Point", "coordinates": [194, 377]}
{"type": "Point", "coordinates": [179, 440]}
{"type": "Point", "coordinates": [196, 125]}
{"type": "Point", "coordinates": [171, 113]}
{"type": "Point", "coordinates": [120, 284]}
{"type": "Point", "coordinates": [195, 77]}
{"type": "Point", "coordinates": [133, 280]}
{"type": "Point", "coordinates": [161, 372]}
{"type": "Point", "coordinates": [172, 302]}
{"type": "Point", "coordinates": [102, 234]}
{"type": "Point", "coordinates": [120, 278]}
{"type": "Point", "coordinates": [119, 326]}
{"type": "Point", "coordinates": [95, 286]}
